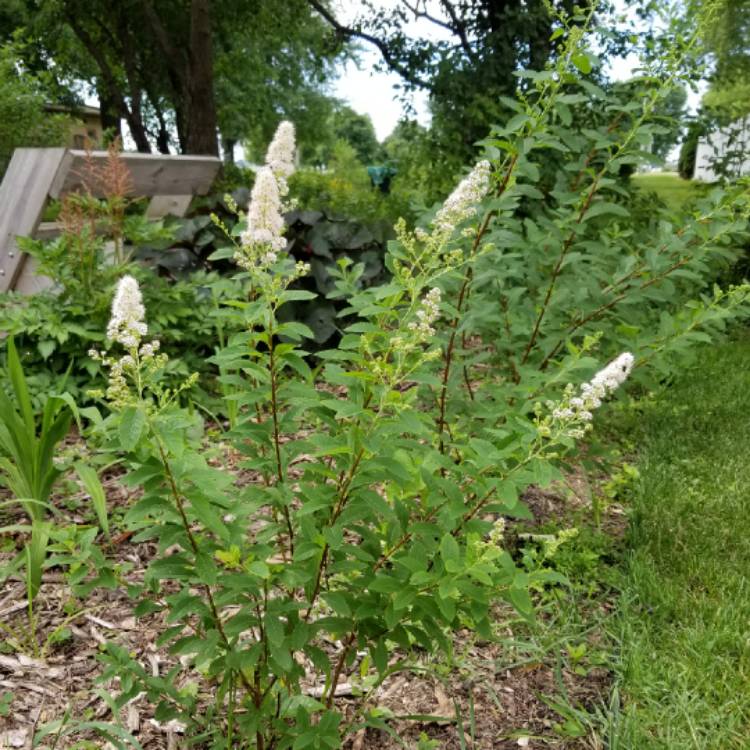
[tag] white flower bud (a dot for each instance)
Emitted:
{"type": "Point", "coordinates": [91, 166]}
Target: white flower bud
{"type": "Point", "coordinates": [427, 314]}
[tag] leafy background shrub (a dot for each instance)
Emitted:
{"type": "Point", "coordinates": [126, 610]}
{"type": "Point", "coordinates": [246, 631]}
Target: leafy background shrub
{"type": "Point", "coordinates": [22, 110]}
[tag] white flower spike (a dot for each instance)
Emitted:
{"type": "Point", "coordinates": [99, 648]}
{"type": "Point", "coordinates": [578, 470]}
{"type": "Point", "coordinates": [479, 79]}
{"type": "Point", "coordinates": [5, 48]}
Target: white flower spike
{"type": "Point", "coordinates": [127, 325]}
{"type": "Point", "coordinates": [263, 237]}
{"type": "Point", "coordinates": [605, 382]}
{"type": "Point", "coordinates": [461, 203]}
{"type": "Point", "coordinates": [280, 155]}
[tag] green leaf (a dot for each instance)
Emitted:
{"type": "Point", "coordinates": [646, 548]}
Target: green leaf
{"type": "Point", "coordinates": [582, 62]}
{"type": "Point", "coordinates": [132, 422]}
{"type": "Point", "coordinates": [46, 348]}
{"type": "Point", "coordinates": [337, 601]}
{"type": "Point", "coordinates": [19, 385]}
{"type": "Point", "coordinates": [93, 486]}
{"type": "Point", "coordinates": [601, 208]}
{"type": "Point", "coordinates": [451, 553]}
{"type": "Point", "coordinates": [36, 552]}
{"type": "Point", "coordinates": [521, 601]}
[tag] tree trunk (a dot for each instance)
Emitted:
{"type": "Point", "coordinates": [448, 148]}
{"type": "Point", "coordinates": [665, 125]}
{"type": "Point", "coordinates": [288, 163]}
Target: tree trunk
{"type": "Point", "coordinates": [109, 83]}
{"type": "Point", "coordinates": [199, 84]}
{"type": "Point", "coordinates": [109, 113]}
{"type": "Point", "coordinates": [227, 146]}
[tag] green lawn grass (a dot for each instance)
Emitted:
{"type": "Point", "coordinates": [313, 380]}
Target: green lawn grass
{"type": "Point", "coordinates": [684, 624]}
{"type": "Point", "coordinates": [669, 186]}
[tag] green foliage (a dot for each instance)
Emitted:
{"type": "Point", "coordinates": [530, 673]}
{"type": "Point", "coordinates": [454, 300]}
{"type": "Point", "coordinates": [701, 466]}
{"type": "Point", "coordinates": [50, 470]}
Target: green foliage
{"type": "Point", "coordinates": [325, 241]}
{"type": "Point", "coordinates": [345, 188]}
{"type": "Point", "coordinates": [580, 262]}
{"type": "Point", "coordinates": [670, 115]}
{"type": "Point", "coordinates": [357, 509]}
{"type": "Point", "coordinates": [354, 129]}
{"type": "Point", "coordinates": [57, 328]}
{"type": "Point", "coordinates": [28, 445]}
{"type": "Point", "coordinates": [727, 42]}
{"type": "Point", "coordinates": [23, 119]}
{"type": "Point", "coordinates": [384, 476]}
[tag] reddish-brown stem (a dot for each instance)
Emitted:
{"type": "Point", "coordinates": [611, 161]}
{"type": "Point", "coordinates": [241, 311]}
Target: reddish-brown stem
{"type": "Point", "coordinates": [347, 644]}
{"type": "Point", "coordinates": [467, 379]}
{"type": "Point", "coordinates": [462, 295]}
{"type": "Point", "coordinates": [338, 509]}
{"type": "Point", "coordinates": [607, 306]}
{"type": "Point", "coordinates": [449, 349]}
{"type": "Point", "coordinates": [557, 269]}
{"type": "Point", "coordinates": [276, 431]}
{"type": "Point", "coordinates": [252, 688]}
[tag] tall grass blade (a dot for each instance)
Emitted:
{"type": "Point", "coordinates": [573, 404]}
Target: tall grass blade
{"type": "Point", "coordinates": [93, 486]}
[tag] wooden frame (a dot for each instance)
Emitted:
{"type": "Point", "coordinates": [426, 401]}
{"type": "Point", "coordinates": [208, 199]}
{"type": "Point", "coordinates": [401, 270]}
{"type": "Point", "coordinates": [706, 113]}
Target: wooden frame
{"type": "Point", "coordinates": [36, 175]}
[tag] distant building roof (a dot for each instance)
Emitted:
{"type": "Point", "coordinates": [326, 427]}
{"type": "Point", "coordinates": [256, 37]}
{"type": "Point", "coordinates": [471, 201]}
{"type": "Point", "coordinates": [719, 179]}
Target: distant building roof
{"type": "Point", "coordinates": [75, 109]}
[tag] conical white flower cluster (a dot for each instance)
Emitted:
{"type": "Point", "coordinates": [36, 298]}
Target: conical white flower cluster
{"type": "Point", "coordinates": [462, 202]}
{"type": "Point", "coordinates": [280, 155]}
{"type": "Point", "coordinates": [605, 382]}
{"type": "Point", "coordinates": [263, 237]}
{"type": "Point", "coordinates": [427, 314]}
{"type": "Point", "coordinates": [142, 361]}
{"type": "Point", "coordinates": [127, 325]}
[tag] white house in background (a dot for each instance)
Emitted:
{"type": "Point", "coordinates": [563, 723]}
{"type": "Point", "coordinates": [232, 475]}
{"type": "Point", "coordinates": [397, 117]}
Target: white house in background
{"type": "Point", "coordinates": [728, 146]}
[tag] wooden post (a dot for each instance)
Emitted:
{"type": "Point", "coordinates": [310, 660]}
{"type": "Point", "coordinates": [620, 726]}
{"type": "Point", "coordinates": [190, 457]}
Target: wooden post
{"type": "Point", "coordinates": [23, 196]}
{"type": "Point", "coordinates": [36, 174]}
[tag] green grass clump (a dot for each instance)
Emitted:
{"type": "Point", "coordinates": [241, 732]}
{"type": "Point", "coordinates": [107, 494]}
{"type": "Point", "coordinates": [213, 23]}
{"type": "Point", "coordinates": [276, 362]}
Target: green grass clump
{"type": "Point", "coordinates": [670, 187]}
{"type": "Point", "coordinates": [685, 613]}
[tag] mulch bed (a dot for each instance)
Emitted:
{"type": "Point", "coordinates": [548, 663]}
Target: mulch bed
{"type": "Point", "coordinates": [500, 693]}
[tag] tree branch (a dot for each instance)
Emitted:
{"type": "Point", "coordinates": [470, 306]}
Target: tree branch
{"type": "Point", "coordinates": [388, 57]}
{"type": "Point", "coordinates": [176, 62]}
{"type": "Point", "coordinates": [132, 116]}
{"type": "Point", "coordinates": [459, 28]}
{"type": "Point", "coordinates": [456, 26]}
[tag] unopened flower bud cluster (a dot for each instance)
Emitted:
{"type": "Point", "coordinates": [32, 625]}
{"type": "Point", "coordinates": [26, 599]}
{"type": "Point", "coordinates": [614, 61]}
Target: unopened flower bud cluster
{"type": "Point", "coordinates": [497, 532]}
{"type": "Point", "coordinates": [552, 543]}
{"type": "Point", "coordinates": [427, 314]}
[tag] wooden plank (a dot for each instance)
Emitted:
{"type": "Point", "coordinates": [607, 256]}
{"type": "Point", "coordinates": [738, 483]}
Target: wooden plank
{"type": "Point", "coordinates": [168, 205]}
{"type": "Point", "coordinates": [48, 230]}
{"type": "Point", "coordinates": [28, 281]}
{"type": "Point", "coordinates": [23, 196]}
{"type": "Point", "coordinates": [153, 174]}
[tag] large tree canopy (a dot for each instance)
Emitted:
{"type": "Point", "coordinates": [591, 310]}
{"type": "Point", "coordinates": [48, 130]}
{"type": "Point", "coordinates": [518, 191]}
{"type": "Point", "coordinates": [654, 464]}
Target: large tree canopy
{"type": "Point", "coordinates": [176, 71]}
{"type": "Point", "coordinates": [728, 43]}
{"type": "Point", "coordinates": [468, 67]}
{"type": "Point", "coordinates": [23, 119]}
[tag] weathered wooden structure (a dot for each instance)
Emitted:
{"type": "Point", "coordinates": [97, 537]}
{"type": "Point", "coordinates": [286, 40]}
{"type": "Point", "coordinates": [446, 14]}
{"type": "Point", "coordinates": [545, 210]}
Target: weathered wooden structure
{"type": "Point", "coordinates": [36, 175]}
